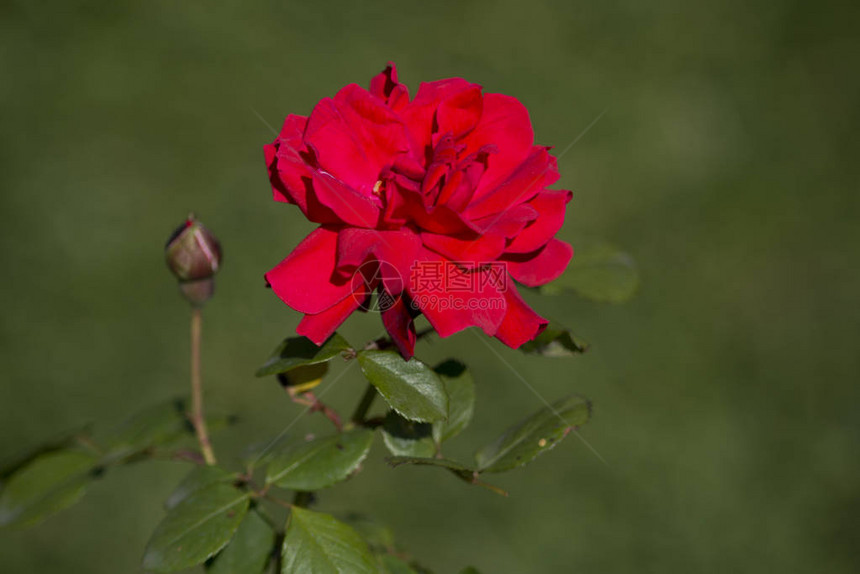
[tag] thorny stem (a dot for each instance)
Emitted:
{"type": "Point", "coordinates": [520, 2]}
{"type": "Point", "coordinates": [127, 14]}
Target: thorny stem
{"type": "Point", "coordinates": [309, 399]}
{"type": "Point", "coordinates": [197, 419]}
{"type": "Point", "coordinates": [303, 499]}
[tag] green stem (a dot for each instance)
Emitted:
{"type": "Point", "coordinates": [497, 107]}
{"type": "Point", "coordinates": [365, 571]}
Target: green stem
{"type": "Point", "coordinates": [365, 404]}
{"type": "Point", "coordinates": [303, 498]}
{"type": "Point", "coordinates": [197, 419]}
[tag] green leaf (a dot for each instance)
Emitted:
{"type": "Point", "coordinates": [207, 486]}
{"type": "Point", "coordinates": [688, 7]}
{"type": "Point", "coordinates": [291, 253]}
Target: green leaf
{"type": "Point", "coordinates": [47, 484]}
{"type": "Point", "coordinates": [469, 570]}
{"type": "Point", "coordinates": [540, 432]}
{"type": "Point", "coordinates": [410, 387]}
{"type": "Point", "coordinates": [250, 549]}
{"type": "Point", "coordinates": [317, 543]}
{"type": "Point", "coordinates": [461, 400]}
{"type": "Point", "coordinates": [600, 272]}
{"type": "Point", "coordinates": [321, 462]}
{"type": "Point", "coordinates": [403, 437]}
{"type": "Point", "coordinates": [394, 565]}
{"type": "Point", "coordinates": [155, 426]}
{"type": "Point", "coordinates": [458, 469]}
{"type": "Point", "coordinates": [198, 479]}
{"type": "Point", "coordinates": [555, 341]}
{"type": "Point", "coordinates": [297, 351]}
{"type": "Point", "coordinates": [19, 460]}
{"type": "Point", "coordinates": [196, 528]}
{"type": "Point", "coordinates": [379, 537]}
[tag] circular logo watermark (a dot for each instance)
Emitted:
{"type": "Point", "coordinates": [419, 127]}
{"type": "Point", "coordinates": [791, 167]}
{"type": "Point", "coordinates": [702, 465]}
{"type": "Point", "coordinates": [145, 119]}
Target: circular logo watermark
{"type": "Point", "coordinates": [373, 276]}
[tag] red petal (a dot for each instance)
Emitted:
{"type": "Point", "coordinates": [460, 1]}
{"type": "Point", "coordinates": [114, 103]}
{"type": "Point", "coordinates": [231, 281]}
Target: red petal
{"type": "Point", "coordinates": [441, 219]}
{"type": "Point", "coordinates": [505, 124]}
{"type": "Point", "coordinates": [286, 184]}
{"type": "Point", "coordinates": [461, 185]}
{"type": "Point", "coordinates": [400, 325]}
{"type": "Point", "coordinates": [458, 299]}
{"type": "Point", "coordinates": [508, 223]}
{"type": "Point", "coordinates": [321, 326]}
{"type": "Point", "coordinates": [472, 252]}
{"type": "Point", "coordinates": [354, 136]}
{"type": "Point", "coordinates": [521, 324]}
{"type": "Point", "coordinates": [420, 113]}
{"type": "Point", "coordinates": [395, 250]}
{"type": "Point", "coordinates": [279, 191]}
{"type": "Point", "coordinates": [403, 204]}
{"type": "Point", "coordinates": [386, 86]}
{"type": "Point", "coordinates": [305, 280]}
{"type": "Point", "coordinates": [526, 181]}
{"type": "Point", "coordinates": [293, 130]}
{"type": "Point", "coordinates": [460, 113]}
{"type": "Point", "coordinates": [550, 206]}
{"type": "Point", "coordinates": [541, 266]}
{"type": "Point", "coordinates": [349, 205]}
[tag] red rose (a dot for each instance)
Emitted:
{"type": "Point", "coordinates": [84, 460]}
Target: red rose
{"type": "Point", "coordinates": [435, 195]}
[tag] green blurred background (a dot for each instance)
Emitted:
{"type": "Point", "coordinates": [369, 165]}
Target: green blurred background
{"type": "Point", "coordinates": [726, 392]}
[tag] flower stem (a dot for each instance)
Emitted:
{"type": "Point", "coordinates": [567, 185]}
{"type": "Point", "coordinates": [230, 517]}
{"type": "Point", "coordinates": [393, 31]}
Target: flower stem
{"type": "Point", "coordinates": [197, 419]}
{"type": "Point", "coordinates": [365, 404]}
{"type": "Point", "coordinates": [309, 399]}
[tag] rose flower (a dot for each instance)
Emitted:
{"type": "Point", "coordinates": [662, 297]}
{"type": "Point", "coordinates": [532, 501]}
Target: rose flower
{"type": "Point", "coordinates": [442, 198]}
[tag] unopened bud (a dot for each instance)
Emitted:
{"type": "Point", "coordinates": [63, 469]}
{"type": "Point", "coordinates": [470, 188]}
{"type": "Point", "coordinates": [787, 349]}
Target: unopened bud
{"type": "Point", "coordinates": [194, 256]}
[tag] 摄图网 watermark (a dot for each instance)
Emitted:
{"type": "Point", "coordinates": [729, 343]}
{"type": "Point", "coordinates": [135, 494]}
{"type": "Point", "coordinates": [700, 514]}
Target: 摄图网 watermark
{"type": "Point", "coordinates": [440, 285]}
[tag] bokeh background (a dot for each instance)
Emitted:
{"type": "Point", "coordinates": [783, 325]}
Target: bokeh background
{"type": "Point", "coordinates": [725, 394]}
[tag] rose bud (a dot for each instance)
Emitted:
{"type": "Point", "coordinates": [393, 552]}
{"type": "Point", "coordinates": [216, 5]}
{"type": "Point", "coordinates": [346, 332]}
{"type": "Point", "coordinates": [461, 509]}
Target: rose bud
{"type": "Point", "coordinates": [194, 256]}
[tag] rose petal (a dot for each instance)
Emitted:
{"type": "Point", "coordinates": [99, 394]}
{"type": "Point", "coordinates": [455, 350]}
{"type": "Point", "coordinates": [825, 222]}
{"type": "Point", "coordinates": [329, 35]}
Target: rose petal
{"type": "Point", "coordinates": [521, 324]}
{"type": "Point", "coordinates": [404, 204]}
{"type": "Point", "coordinates": [395, 250]}
{"type": "Point", "coordinates": [279, 191]}
{"type": "Point", "coordinates": [386, 86]}
{"type": "Point", "coordinates": [319, 327]}
{"type": "Point", "coordinates": [504, 124]}
{"type": "Point", "coordinates": [441, 219]}
{"type": "Point", "coordinates": [453, 299]}
{"type": "Point", "coordinates": [508, 223]}
{"type": "Point", "coordinates": [354, 136]}
{"type": "Point", "coordinates": [420, 114]}
{"type": "Point", "coordinates": [305, 280]}
{"type": "Point", "coordinates": [550, 205]}
{"type": "Point", "coordinates": [461, 185]}
{"type": "Point", "coordinates": [527, 180]}
{"type": "Point", "coordinates": [287, 185]}
{"type": "Point", "coordinates": [471, 252]}
{"type": "Point", "coordinates": [349, 205]}
{"type": "Point", "coordinates": [400, 325]}
{"type": "Point", "coordinates": [541, 266]}
{"type": "Point", "coordinates": [459, 113]}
